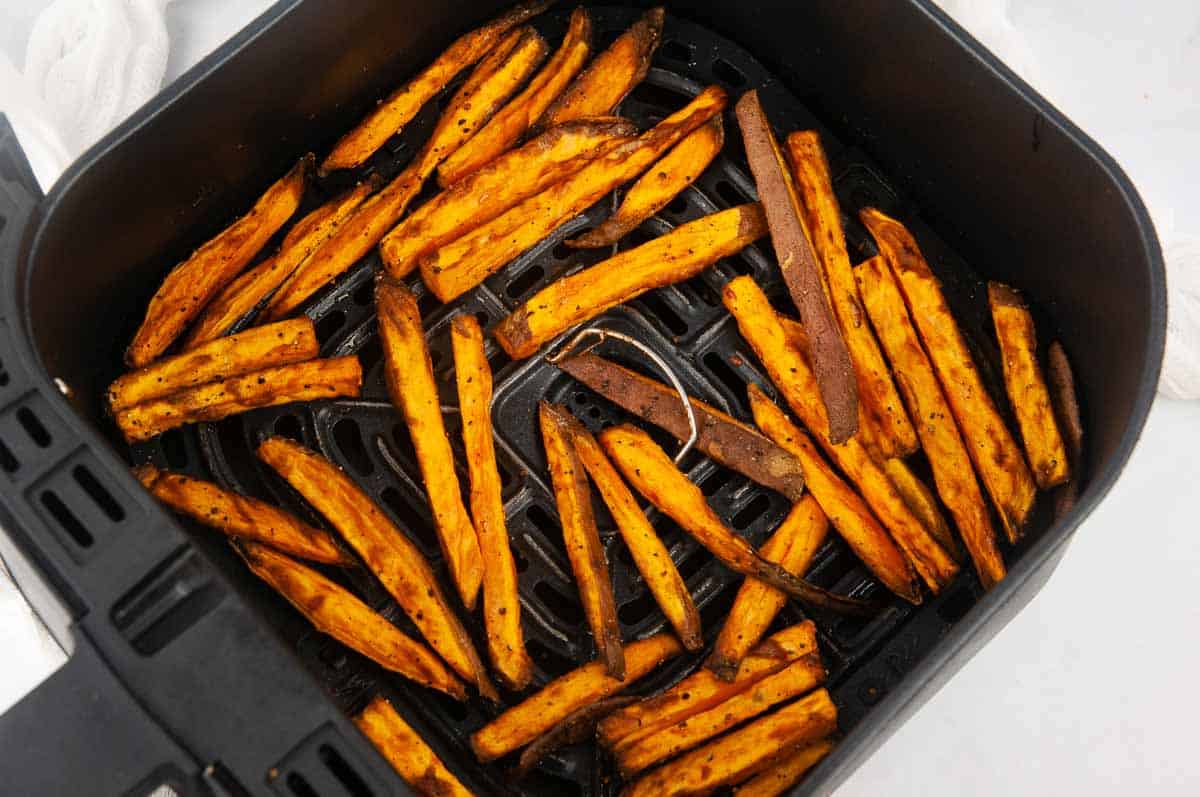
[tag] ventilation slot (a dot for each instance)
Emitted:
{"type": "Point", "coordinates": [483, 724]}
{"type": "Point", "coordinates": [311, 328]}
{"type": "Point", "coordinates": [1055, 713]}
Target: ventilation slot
{"type": "Point", "coordinates": [729, 377]}
{"type": "Point", "coordinates": [637, 609]}
{"type": "Point", "coordinates": [525, 280]}
{"type": "Point", "coordinates": [328, 326]}
{"type": "Point", "coordinates": [671, 320]}
{"type": "Point", "coordinates": [163, 605]}
{"type": "Point", "coordinates": [67, 520]}
{"type": "Point", "coordinates": [174, 449]}
{"type": "Point", "coordinates": [714, 481]}
{"type": "Point", "coordinates": [299, 786]}
{"type": "Point", "coordinates": [342, 770]}
{"type": "Point", "coordinates": [751, 512]}
{"type": "Point", "coordinates": [350, 443]}
{"type": "Point", "coordinates": [549, 661]}
{"type": "Point", "coordinates": [289, 426]}
{"type": "Point", "coordinates": [98, 493]}
{"type": "Point", "coordinates": [679, 204]}
{"type": "Point", "coordinates": [33, 427]}
{"type": "Point", "coordinates": [728, 73]}
{"type": "Point", "coordinates": [564, 608]}
{"type": "Point", "coordinates": [7, 461]}
{"type": "Point", "coordinates": [4, 377]}
{"type": "Point", "coordinates": [426, 304]}
{"type": "Point", "coordinates": [409, 519]}
{"type": "Point", "coordinates": [677, 51]}
{"type": "Point", "coordinates": [542, 521]}
{"type": "Point", "coordinates": [728, 193]}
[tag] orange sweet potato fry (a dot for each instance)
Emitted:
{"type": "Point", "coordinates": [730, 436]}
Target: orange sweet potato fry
{"type": "Point", "coordinates": [781, 777]}
{"type": "Point", "coordinates": [578, 726]}
{"type": "Point", "coordinates": [407, 752]}
{"type": "Point", "coordinates": [1066, 407]}
{"type": "Point", "coordinates": [919, 498]}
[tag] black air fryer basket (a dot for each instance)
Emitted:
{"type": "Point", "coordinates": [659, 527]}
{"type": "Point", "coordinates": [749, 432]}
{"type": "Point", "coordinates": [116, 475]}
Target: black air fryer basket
{"type": "Point", "coordinates": [186, 670]}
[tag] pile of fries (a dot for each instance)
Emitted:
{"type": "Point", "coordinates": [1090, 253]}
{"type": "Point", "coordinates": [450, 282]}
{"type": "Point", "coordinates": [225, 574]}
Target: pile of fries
{"type": "Point", "coordinates": [872, 367]}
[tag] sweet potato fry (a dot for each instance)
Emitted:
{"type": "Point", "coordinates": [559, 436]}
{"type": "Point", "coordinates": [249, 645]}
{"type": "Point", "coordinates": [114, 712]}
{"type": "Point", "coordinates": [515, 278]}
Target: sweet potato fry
{"type": "Point", "coordinates": [582, 540]}
{"type": "Point", "coordinates": [848, 513]}
{"type": "Point", "coordinates": [792, 547]}
{"type": "Point", "coordinates": [511, 123]}
{"type": "Point", "coordinates": [253, 287]}
{"type": "Point", "coordinates": [578, 726]}
{"type": "Point", "coordinates": [649, 554]}
{"type": "Point", "coordinates": [702, 690]}
{"type": "Point", "coordinates": [407, 752]}
{"type": "Point", "coordinates": [521, 724]}
{"type": "Point", "coordinates": [337, 612]}
{"type": "Point", "coordinates": [798, 263]}
{"type": "Point", "coordinates": [192, 283]}
{"type": "Point", "coordinates": [457, 267]}
{"type": "Point", "coordinates": [398, 109]}
{"type": "Point", "coordinates": [781, 777]}
{"type": "Point", "coordinates": [252, 350]}
{"type": "Point", "coordinates": [240, 515]}
{"type": "Point", "coordinates": [998, 459]}
{"type": "Point", "coordinates": [1027, 392]}
{"type": "Point", "coordinates": [919, 499]}
{"type": "Point", "coordinates": [612, 75]}
{"type": "Point", "coordinates": [797, 678]}
{"type": "Point", "coordinates": [655, 189]}
{"type": "Point", "coordinates": [789, 370]}
{"type": "Point", "coordinates": [880, 411]}
{"type": "Point", "coordinates": [385, 549]}
{"type": "Point", "coordinates": [305, 381]}
{"type": "Point", "coordinates": [652, 473]}
{"type": "Point", "coordinates": [744, 752]}
{"type": "Point", "coordinates": [501, 602]}
{"type": "Point", "coordinates": [409, 375]}
{"type": "Point", "coordinates": [679, 255]}
{"type": "Point", "coordinates": [722, 438]}
{"type": "Point", "coordinates": [511, 178]}
{"type": "Point", "coordinates": [1066, 407]}
{"type": "Point", "coordinates": [490, 84]}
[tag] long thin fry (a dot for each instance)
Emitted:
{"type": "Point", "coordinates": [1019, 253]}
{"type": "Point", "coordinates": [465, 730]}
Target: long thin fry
{"type": "Point", "coordinates": [1066, 407]}
{"type": "Point", "coordinates": [787, 773]}
{"type": "Point", "coordinates": [919, 498]}
{"type": "Point", "coordinates": [407, 752]}
{"type": "Point", "coordinates": [336, 612]}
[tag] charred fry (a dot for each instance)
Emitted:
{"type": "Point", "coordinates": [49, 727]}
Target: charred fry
{"type": "Point", "coordinates": [579, 726]}
{"type": "Point", "coordinates": [407, 752]}
{"type": "Point", "coordinates": [581, 538]}
{"type": "Point", "coordinates": [306, 381]}
{"type": "Point", "coordinates": [336, 612]}
{"type": "Point", "coordinates": [782, 776]}
{"type": "Point", "coordinates": [192, 283]}
{"type": "Point", "coordinates": [409, 375]}
{"type": "Point", "coordinates": [679, 255]}
{"type": "Point", "coordinates": [1066, 407]}
{"type": "Point", "coordinates": [919, 499]}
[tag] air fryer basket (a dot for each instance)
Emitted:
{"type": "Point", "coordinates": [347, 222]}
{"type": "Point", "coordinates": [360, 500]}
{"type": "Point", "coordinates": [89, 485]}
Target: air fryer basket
{"type": "Point", "coordinates": [216, 690]}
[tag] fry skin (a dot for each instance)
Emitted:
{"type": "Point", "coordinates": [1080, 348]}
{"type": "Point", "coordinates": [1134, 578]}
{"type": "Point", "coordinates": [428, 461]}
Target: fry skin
{"type": "Point", "coordinates": [787, 773]}
{"type": "Point", "coordinates": [511, 123]}
{"type": "Point", "coordinates": [789, 370]}
{"type": "Point", "coordinates": [408, 372]}
{"type": "Point", "coordinates": [501, 602]}
{"type": "Point", "coordinates": [919, 499]}
{"type": "Point", "coordinates": [521, 724]}
{"type": "Point", "coordinates": [792, 547]}
{"type": "Point", "coordinates": [270, 387]}
{"type": "Point", "coordinates": [679, 255]}
{"type": "Point", "coordinates": [582, 540]}
{"type": "Point", "coordinates": [611, 75]}
{"type": "Point", "coordinates": [649, 554]}
{"type": "Point", "coordinates": [192, 283]}
{"type": "Point", "coordinates": [511, 178]}
{"type": "Point", "coordinates": [398, 109]}
{"type": "Point", "coordinates": [1066, 407]}
{"type": "Point", "coordinates": [655, 189]}
{"type": "Point", "coordinates": [240, 515]}
{"type": "Point", "coordinates": [578, 726]}
{"type": "Point", "coordinates": [744, 752]}
{"type": "Point", "coordinates": [880, 409]}
{"type": "Point", "coordinates": [251, 350]}
{"type": "Point", "coordinates": [337, 612]}
{"type": "Point", "coordinates": [385, 550]}
{"type": "Point", "coordinates": [999, 461]}
{"type": "Point", "coordinates": [455, 268]}
{"type": "Point", "coordinates": [829, 354]}
{"type": "Point", "coordinates": [407, 752]}
{"type": "Point", "coordinates": [1027, 392]}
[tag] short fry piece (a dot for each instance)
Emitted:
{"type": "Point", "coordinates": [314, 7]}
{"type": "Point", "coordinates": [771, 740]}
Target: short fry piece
{"type": "Point", "coordinates": [337, 612]}
{"type": "Point", "coordinates": [510, 124]}
{"type": "Point", "coordinates": [793, 680]}
{"type": "Point", "coordinates": [1027, 392]}
{"type": "Point", "coordinates": [649, 554]}
{"type": "Point", "coordinates": [240, 515]}
{"type": "Point", "coordinates": [409, 375]}
{"type": "Point", "coordinates": [998, 459]}
{"type": "Point", "coordinates": [655, 189]}
{"type": "Point", "coordinates": [385, 549]}
{"type": "Point", "coordinates": [392, 114]}
{"type": "Point", "coordinates": [830, 356]}
{"type": "Point", "coordinates": [521, 724]}
{"type": "Point", "coordinates": [407, 752]}
{"type": "Point", "coordinates": [252, 350]}
{"type": "Point", "coordinates": [582, 540]}
{"type": "Point", "coordinates": [744, 752]}
{"type": "Point", "coordinates": [792, 546]}
{"type": "Point", "coordinates": [1066, 407]}
{"type": "Point", "coordinates": [501, 602]}
{"type": "Point", "coordinates": [579, 726]}
{"type": "Point", "coordinates": [789, 370]}
{"type": "Point", "coordinates": [612, 74]}
{"type": "Point", "coordinates": [787, 773]}
{"type": "Point", "coordinates": [455, 268]}
{"type": "Point", "coordinates": [484, 194]}
{"type": "Point", "coordinates": [722, 437]}
{"type": "Point", "coordinates": [192, 283]}
{"type": "Point", "coordinates": [270, 387]}
{"type": "Point", "coordinates": [652, 473]}
{"type": "Point", "coordinates": [679, 255]}
{"type": "Point", "coordinates": [918, 497]}
{"type": "Point", "coordinates": [702, 690]}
